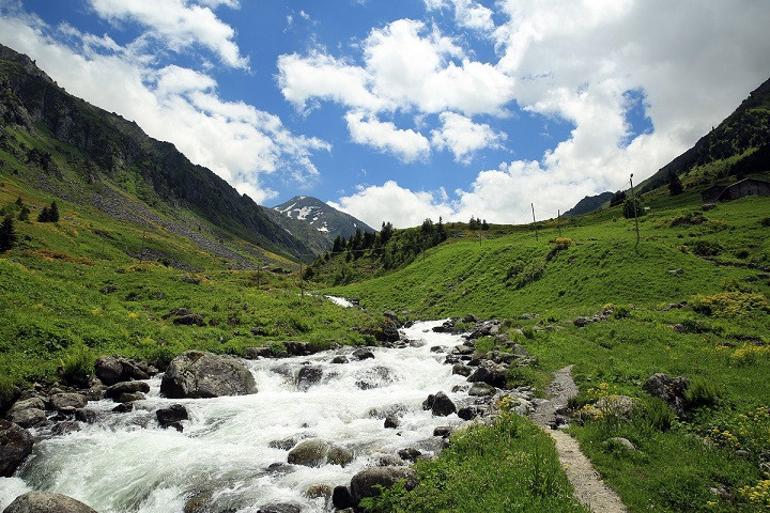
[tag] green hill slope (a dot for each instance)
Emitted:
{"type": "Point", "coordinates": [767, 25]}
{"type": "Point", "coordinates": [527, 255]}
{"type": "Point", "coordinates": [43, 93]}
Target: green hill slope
{"type": "Point", "coordinates": [58, 143]}
{"type": "Point", "coordinates": [693, 301]}
{"type": "Point", "coordinates": [718, 154]}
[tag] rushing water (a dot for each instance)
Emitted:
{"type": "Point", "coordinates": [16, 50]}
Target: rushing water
{"type": "Point", "coordinates": [127, 463]}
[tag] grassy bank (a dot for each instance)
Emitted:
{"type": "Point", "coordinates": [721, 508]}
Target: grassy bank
{"type": "Point", "coordinates": [693, 301]}
{"type": "Point", "coordinates": [75, 289]}
{"type": "Point", "coordinates": [508, 467]}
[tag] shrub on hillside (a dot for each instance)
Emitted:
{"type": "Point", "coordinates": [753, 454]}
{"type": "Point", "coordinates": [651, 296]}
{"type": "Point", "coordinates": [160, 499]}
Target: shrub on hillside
{"type": "Point", "coordinates": [76, 366]}
{"type": "Point", "coordinates": [730, 304]}
{"type": "Point", "coordinates": [700, 393]}
{"type": "Point", "coordinates": [523, 273]}
{"type": "Point", "coordinates": [706, 248]}
{"type": "Point", "coordinates": [689, 219]}
{"type": "Point", "coordinates": [628, 208]}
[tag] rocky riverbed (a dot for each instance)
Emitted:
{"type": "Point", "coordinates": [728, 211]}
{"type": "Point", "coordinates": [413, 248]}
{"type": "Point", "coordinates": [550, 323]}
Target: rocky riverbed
{"type": "Point", "coordinates": [290, 433]}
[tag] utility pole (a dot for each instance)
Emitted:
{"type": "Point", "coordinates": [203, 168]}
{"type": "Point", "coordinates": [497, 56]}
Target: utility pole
{"type": "Point", "coordinates": [534, 222]}
{"type": "Point", "coordinates": [558, 221]}
{"type": "Point", "coordinates": [636, 214]}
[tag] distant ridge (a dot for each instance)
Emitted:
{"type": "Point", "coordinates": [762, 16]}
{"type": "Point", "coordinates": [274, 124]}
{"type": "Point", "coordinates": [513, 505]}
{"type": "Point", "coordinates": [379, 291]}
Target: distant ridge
{"type": "Point", "coordinates": [321, 217]}
{"type": "Point", "coordinates": [589, 204]}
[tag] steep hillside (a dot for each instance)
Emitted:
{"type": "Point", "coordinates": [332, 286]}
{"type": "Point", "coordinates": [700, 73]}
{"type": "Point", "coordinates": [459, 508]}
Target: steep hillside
{"type": "Point", "coordinates": [589, 204]}
{"type": "Point", "coordinates": [89, 156]}
{"type": "Point", "coordinates": [322, 217]}
{"type": "Point", "coordinates": [718, 153]}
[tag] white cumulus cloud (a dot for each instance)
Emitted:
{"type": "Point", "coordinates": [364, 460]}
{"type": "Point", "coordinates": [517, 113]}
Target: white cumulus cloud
{"type": "Point", "coordinates": [179, 24]}
{"type": "Point", "coordinates": [408, 144]}
{"type": "Point", "coordinates": [463, 137]}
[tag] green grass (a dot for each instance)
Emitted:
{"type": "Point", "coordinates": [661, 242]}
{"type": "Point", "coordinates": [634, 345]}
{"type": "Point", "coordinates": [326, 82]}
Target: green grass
{"type": "Point", "coordinates": [508, 467]}
{"type": "Point", "coordinates": [71, 291]}
{"type": "Point", "coordinates": [727, 321]}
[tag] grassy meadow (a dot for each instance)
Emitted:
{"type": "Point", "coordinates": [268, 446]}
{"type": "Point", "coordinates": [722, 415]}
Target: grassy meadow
{"type": "Point", "coordinates": [692, 301]}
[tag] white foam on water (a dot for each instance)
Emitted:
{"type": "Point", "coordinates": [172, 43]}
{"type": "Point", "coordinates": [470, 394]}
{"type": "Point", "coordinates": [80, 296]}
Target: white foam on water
{"type": "Point", "coordinates": [340, 301]}
{"type": "Point", "coordinates": [127, 463]}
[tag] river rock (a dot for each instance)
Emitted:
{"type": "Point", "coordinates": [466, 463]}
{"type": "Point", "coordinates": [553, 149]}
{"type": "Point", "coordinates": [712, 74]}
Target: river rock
{"type": "Point", "coordinates": [129, 397]}
{"type": "Point", "coordinates": [374, 377]}
{"type": "Point", "coordinates": [318, 490]}
{"type": "Point", "coordinates": [409, 454]}
{"type": "Point", "coordinates": [126, 387]}
{"type": "Point", "coordinates": [340, 359]}
{"type": "Point", "coordinates": [280, 507]}
{"type": "Point", "coordinates": [489, 373]}
{"type": "Point", "coordinates": [123, 408]}
{"type": "Point", "coordinates": [442, 405]}
{"type": "Point", "coordinates": [27, 417]}
{"type": "Point", "coordinates": [362, 354]}
{"type": "Point", "coordinates": [442, 431]}
{"type": "Point", "coordinates": [295, 348]}
{"type": "Point", "coordinates": [86, 415]}
{"type": "Point", "coordinates": [388, 332]}
{"type": "Point", "coordinates": [114, 369]}
{"type": "Point", "coordinates": [32, 402]}
{"type": "Point", "coordinates": [196, 374]}
{"type": "Point", "coordinates": [175, 413]}
{"type": "Point", "coordinates": [316, 452]}
{"type": "Point", "coordinates": [15, 446]}
{"type": "Point", "coordinates": [446, 327]}
{"type": "Point", "coordinates": [462, 350]}
{"type": "Point", "coordinates": [467, 413]}
{"type": "Point", "coordinates": [481, 390]}
{"type": "Point", "coordinates": [462, 370]}
{"type": "Point", "coordinates": [308, 376]}
{"type": "Point", "coordinates": [46, 502]}
{"type": "Point", "coordinates": [68, 400]}
{"type": "Point", "coordinates": [254, 353]}
{"type": "Point", "coordinates": [341, 497]}
{"type": "Point", "coordinates": [288, 442]}
{"type": "Point", "coordinates": [310, 453]}
{"type": "Point", "coordinates": [391, 422]}
{"type": "Point", "coordinates": [63, 428]}
{"type": "Point", "coordinates": [368, 482]}
{"type": "Point", "coordinates": [670, 389]}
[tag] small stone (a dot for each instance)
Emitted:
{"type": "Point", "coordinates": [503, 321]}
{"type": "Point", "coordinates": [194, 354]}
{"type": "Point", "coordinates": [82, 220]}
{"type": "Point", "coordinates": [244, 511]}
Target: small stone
{"type": "Point", "coordinates": [391, 422]}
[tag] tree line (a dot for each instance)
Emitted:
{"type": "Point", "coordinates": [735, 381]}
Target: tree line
{"type": "Point", "coordinates": [19, 211]}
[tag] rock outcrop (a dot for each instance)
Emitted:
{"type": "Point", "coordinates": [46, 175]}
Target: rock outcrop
{"type": "Point", "coordinates": [15, 446]}
{"type": "Point", "coordinates": [197, 374]}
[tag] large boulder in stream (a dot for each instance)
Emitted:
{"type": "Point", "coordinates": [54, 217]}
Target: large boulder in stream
{"type": "Point", "coordinates": [46, 502]}
{"type": "Point", "coordinates": [441, 406]}
{"type": "Point", "coordinates": [369, 482]}
{"type": "Point", "coordinates": [15, 446]}
{"type": "Point", "coordinates": [316, 452]}
{"type": "Point", "coordinates": [196, 374]}
{"type": "Point", "coordinates": [114, 369]}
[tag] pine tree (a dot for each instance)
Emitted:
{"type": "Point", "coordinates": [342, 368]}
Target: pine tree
{"type": "Point", "coordinates": [386, 233]}
{"type": "Point", "coordinates": [24, 213]}
{"type": "Point", "coordinates": [484, 225]}
{"type": "Point", "coordinates": [54, 212]}
{"type": "Point", "coordinates": [44, 216]}
{"type": "Point", "coordinates": [674, 184]}
{"type": "Point", "coordinates": [7, 234]}
{"type": "Point", "coordinates": [339, 244]}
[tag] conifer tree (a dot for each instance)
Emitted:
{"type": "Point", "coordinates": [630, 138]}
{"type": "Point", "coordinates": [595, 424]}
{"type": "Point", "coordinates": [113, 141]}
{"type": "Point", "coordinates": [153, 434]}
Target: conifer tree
{"type": "Point", "coordinates": [7, 234]}
{"type": "Point", "coordinates": [674, 184]}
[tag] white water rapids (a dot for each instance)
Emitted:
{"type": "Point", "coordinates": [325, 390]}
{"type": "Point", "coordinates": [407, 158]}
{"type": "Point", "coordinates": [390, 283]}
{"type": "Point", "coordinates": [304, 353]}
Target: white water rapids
{"type": "Point", "coordinates": [126, 463]}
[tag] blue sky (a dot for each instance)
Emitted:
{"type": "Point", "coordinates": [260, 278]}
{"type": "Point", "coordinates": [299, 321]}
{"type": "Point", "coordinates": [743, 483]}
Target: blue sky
{"type": "Point", "coordinates": [407, 109]}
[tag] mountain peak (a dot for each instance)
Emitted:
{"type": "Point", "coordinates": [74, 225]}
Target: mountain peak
{"type": "Point", "coordinates": [321, 216]}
